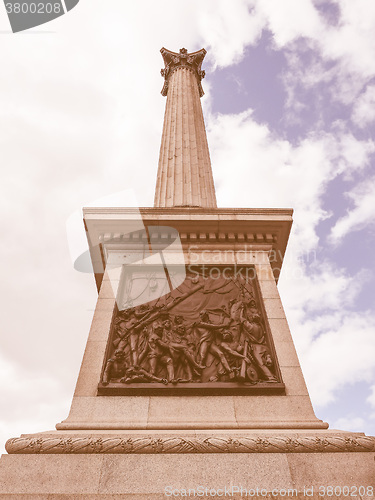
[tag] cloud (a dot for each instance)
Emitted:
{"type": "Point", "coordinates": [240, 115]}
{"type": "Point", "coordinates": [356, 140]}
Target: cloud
{"type": "Point", "coordinates": [349, 423]}
{"type": "Point", "coordinates": [290, 20]}
{"type": "Point", "coordinates": [337, 357]}
{"type": "Point", "coordinates": [362, 196]}
{"type": "Point", "coordinates": [319, 51]}
{"type": "Point", "coordinates": [351, 40]}
{"type": "Point", "coordinates": [43, 396]}
{"type": "Point", "coordinates": [229, 28]}
{"type": "Point", "coordinates": [364, 108]}
{"type": "Point", "coordinates": [371, 398]}
{"type": "Point", "coordinates": [279, 173]}
{"type": "Point", "coordinates": [334, 340]}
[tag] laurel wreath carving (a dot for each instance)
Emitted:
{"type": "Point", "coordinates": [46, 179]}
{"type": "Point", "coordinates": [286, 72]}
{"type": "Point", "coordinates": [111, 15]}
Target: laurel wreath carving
{"type": "Point", "coordinates": [195, 444]}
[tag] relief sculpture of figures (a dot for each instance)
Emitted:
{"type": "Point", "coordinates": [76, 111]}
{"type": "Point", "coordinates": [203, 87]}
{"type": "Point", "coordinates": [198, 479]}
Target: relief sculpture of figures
{"type": "Point", "coordinates": [209, 330]}
{"type": "Point", "coordinates": [157, 351]}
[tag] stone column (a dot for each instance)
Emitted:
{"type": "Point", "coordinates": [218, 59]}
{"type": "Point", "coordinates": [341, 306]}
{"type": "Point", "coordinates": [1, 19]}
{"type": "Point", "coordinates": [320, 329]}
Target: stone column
{"type": "Point", "coordinates": [184, 174]}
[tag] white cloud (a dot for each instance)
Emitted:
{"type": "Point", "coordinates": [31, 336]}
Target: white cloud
{"type": "Point", "coordinates": [362, 196]}
{"type": "Point", "coordinates": [277, 173]}
{"type": "Point", "coordinates": [351, 41]}
{"type": "Point", "coordinates": [44, 397]}
{"type": "Point", "coordinates": [335, 343]}
{"type": "Point", "coordinates": [291, 19]}
{"type": "Point", "coordinates": [229, 28]}
{"type": "Point", "coordinates": [371, 398]}
{"type": "Point", "coordinates": [364, 109]}
{"type": "Point", "coordinates": [338, 356]}
{"type": "Point", "coordinates": [319, 52]}
{"type": "Point", "coordinates": [349, 423]}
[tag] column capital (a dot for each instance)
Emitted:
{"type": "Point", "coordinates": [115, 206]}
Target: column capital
{"type": "Point", "coordinates": [174, 60]}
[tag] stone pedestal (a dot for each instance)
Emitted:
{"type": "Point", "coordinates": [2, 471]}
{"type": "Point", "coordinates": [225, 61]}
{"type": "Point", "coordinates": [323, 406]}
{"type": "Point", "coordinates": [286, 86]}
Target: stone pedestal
{"type": "Point", "coordinates": [239, 238]}
{"type": "Point", "coordinates": [150, 446]}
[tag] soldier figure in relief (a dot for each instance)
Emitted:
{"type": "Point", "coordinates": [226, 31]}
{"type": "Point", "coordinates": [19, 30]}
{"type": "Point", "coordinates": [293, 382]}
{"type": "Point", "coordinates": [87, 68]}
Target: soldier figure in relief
{"type": "Point", "coordinates": [182, 351]}
{"type": "Point", "coordinates": [255, 336]}
{"type": "Point", "coordinates": [167, 329]}
{"type": "Point", "coordinates": [227, 339]}
{"type": "Point", "coordinates": [117, 369]}
{"type": "Point", "coordinates": [206, 331]}
{"type": "Point", "coordinates": [135, 374]}
{"type": "Point", "coordinates": [157, 352]}
{"type": "Point", "coordinates": [128, 335]}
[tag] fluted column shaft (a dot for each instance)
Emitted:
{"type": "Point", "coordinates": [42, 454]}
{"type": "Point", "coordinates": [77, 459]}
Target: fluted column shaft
{"type": "Point", "coordinates": [184, 173]}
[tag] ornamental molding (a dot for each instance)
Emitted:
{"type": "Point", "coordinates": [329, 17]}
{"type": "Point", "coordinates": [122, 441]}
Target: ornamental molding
{"type": "Point", "coordinates": [191, 62]}
{"type": "Point", "coordinates": [196, 444]}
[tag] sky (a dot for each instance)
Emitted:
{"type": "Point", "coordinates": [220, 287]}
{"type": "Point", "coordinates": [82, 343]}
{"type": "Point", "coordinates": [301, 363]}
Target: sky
{"type": "Point", "coordinates": [289, 108]}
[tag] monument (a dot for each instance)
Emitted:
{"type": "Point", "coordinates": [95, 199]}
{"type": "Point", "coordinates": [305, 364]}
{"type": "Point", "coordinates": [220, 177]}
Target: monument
{"type": "Point", "coordinates": [189, 380]}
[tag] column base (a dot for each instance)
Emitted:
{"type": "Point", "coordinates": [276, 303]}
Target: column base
{"type": "Point", "coordinates": [139, 465]}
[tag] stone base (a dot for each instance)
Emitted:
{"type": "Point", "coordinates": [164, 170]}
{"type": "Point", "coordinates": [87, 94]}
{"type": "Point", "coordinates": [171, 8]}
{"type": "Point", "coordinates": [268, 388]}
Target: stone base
{"type": "Point", "coordinates": [148, 476]}
{"type": "Point", "coordinates": [56, 465]}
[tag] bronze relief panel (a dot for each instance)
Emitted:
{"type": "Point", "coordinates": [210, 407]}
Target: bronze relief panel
{"type": "Point", "coordinates": [209, 335]}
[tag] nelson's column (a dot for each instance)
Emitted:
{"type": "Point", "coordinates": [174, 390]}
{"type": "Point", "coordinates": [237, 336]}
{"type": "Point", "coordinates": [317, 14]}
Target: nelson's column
{"type": "Point", "coordinates": [189, 378]}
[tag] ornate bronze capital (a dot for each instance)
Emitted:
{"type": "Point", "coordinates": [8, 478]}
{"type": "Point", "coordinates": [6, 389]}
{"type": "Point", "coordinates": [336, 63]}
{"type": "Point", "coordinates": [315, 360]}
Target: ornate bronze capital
{"type": "Point", "coordinates": [174, 60]}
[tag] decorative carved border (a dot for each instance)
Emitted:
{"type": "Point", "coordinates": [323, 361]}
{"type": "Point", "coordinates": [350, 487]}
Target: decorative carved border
{"type": "Point", "coordinates": [194, 444]}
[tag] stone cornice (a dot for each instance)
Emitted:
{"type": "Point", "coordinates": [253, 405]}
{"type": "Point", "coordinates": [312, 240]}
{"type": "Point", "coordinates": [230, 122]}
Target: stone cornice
{"type": "Point", "coordinates": [213, 226]}
{"type": "Point", "coordinates": [194, 444]}
{"type": "Point", "coordinates": [191, 62]}
{"type": "Point", "coordinates": [186, 211]}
